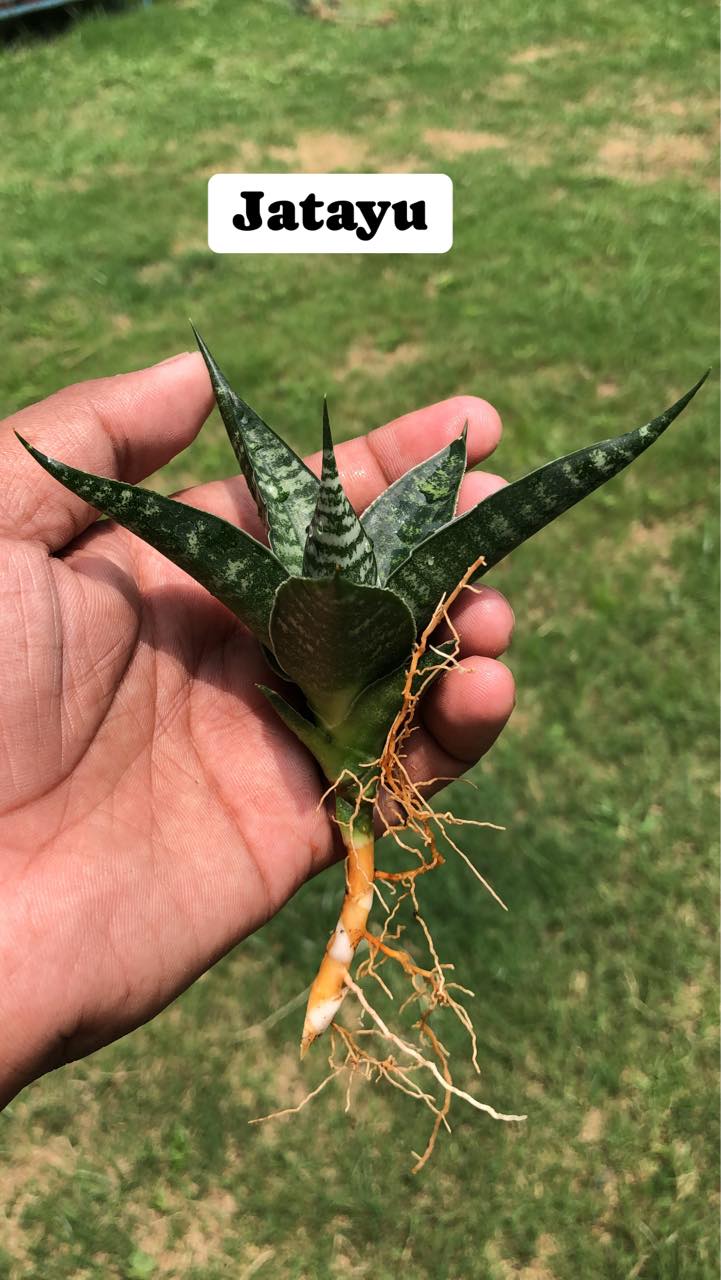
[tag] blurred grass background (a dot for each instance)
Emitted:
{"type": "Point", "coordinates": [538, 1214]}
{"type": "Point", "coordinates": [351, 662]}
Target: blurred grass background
{"type": "Point", "coordinates": [580, 297]}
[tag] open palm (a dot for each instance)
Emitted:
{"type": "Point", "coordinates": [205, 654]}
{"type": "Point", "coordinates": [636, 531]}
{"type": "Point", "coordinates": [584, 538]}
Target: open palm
{"type": "Point", "coordinates": [153, 811]}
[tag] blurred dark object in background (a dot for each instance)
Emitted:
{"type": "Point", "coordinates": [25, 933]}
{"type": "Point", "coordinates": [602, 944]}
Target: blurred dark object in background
{"type": "Point", "coordinates": [45, 19]}
{"type": "Point", "coordinates": [19, 8]}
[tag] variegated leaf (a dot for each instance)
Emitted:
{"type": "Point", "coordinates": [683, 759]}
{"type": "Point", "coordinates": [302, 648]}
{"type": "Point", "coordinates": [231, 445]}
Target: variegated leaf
{"type": "Point", "coordinates": [334, 638]}
{"type": "Point", "coordinates": [511, 515]}
{"type": "Point", "coordinates": [229, 563]}
{"type": "Point", "coordinates": [374, 710]}
{"type": "Point", "coordinates": [337, 541]}
{"type": "Point", "coordinates": [285, 491]}
{"type": "Point", "coordinates": [419, 503]}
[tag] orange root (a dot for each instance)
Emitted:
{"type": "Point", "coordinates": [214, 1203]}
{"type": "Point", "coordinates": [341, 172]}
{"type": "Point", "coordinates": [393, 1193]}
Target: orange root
{"type": "Point", "coordinates": [328, 989]}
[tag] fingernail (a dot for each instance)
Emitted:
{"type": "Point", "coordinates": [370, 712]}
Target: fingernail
{"type": "Point", "coordinates": [171, 359]}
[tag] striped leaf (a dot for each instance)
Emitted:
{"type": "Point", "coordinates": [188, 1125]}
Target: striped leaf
{"type": "Point", "coordinates": [510, 516]}
{"type": "Point", "coordinates": [229, 563]}
{"type": "Point", "coordinates": [285, 491]}
{"type": "Point", "coordinates": [337, 541]}
{"type": "Point", "coordinates": [413, 508]}
{"type": "Point", "coordinates": [334, 638]}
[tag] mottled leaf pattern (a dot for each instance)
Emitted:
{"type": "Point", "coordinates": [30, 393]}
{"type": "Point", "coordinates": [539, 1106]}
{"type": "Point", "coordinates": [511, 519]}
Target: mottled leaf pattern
{"type": "Point", "coordinates": [285, 491]}
{"type": "Point", "coordinates": [337, 541]}
{"type": "Point", "coordinates": [511, 515]}
{"type": "Point", "coordinates": [373, 711]}
{"type": "Point", "coordinates": [420, 502]}
{"type": "Point", "coordinates": [234, 567]}
{"type": "Point", "coordinates": [334, 638]}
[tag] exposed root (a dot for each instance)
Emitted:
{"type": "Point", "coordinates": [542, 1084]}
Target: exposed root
{"type": "Point", "coordinates": [292, 1111]}
{"type": "Point", "coordinates": [403, 808]}
{"type": "Point", "coordinates": [411, 812]}
{"type": "Point", "coordinates": [328, 988]}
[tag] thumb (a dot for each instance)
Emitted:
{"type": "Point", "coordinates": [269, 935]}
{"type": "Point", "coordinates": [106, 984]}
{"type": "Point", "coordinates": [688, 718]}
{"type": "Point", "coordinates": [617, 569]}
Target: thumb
{"type": "Point", "coordinates": [124, 427]}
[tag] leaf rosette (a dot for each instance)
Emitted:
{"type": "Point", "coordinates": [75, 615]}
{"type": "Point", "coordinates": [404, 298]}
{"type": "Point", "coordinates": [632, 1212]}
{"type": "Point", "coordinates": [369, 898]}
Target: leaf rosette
{"type": "Point", "coordinates": [337, 599]}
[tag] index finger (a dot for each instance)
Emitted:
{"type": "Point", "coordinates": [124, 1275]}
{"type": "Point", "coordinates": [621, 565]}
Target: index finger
{"type": "Point", "coordinates": [368, 464]}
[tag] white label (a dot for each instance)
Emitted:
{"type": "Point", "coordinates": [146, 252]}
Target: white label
{"type": "Point", "coordinates": [330, 213]}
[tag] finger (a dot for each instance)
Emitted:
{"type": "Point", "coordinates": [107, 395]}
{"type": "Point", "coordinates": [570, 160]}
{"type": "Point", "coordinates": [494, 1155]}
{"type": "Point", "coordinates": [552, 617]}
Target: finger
{"type": "Point", "coordinates": [460, 722]}
{"type": "Point", "coordinates": [476, 487]}
{"type": "Point", "coordinates": [466, 709]}
{"type": "Point", "coordinates": [368, 464]}
{"type": "Point", "coordinates": [483, 622]}
{"type": "Point", "coordinates": [124, 427]}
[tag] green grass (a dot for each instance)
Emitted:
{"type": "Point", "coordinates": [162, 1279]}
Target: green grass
{"type": "Point", "coordinates": [580, 297]}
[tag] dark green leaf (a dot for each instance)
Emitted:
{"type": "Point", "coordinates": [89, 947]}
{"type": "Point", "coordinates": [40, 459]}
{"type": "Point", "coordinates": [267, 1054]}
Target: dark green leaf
{"type": "Point", "coordinates": [371, 715]}
{"type": "Point", "coordinates": [410, 510]}
{"type": "Point", "coordinates": [228, 562]}
{"type": "Point", "coordinates": [337, 541]}
{"type": "Point", "coordinates": [357, 742]}
{"type": "Point", "coordinates": [317, 739]}
{"type": "Point", "coordinates": [285, 491]}
{"type": "Point", "coordinates": [511, 515]}
{"type": "Point", "coordinates": [334, 637]}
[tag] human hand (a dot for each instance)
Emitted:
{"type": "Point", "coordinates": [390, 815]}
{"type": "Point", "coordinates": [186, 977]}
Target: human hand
{"type": "Point", "coordinates": [140, 762]}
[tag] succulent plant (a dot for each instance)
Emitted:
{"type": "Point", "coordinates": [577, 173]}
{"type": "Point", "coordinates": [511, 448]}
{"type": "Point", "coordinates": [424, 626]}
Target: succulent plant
{"type": "Point", "coordinates": [339, 601]}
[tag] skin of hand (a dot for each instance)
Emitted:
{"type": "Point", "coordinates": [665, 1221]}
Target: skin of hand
{"type": "Point", "coordinates": [153, 811]}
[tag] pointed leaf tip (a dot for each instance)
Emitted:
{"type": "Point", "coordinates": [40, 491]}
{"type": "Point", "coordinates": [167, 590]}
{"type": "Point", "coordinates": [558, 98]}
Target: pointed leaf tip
{"type": "Point", "coordinates": [513, 514]}
{"type": "Point", "coordinates": [330, 466]}
{"type": "Point", "coordinates": [419, 503]}
{"type": "Point", "coordinates": [337, 541]}
{"type": "Point", "coordinates": [284, 489]}
{"type": "Point", "coordinates": [228, 562]}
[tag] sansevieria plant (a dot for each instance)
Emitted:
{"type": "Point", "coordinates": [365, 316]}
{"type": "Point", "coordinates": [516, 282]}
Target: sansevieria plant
{"type": "Point", "coordinates": [344, 606]}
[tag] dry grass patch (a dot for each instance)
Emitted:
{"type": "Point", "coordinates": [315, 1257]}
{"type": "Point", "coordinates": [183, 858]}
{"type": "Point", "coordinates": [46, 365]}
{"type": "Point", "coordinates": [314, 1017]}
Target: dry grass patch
{"type": "Point", "coordinates": [34, 1171]}
{"type": "Point", "coordinates": [154, 272]}
{"type": "Point", "coordinates": [542, 52]}
{"type": "Point", "coordinates": [658, 536]}
{"type": "Point", "coordinates": [190, 242]}
{"type": "Point", "coordinates": [313, 152]}
{"type": "Point", "coordinates": [592, 1126]}
{"type": "Point", "coordinates": [204, 1224]}
{"type": "Point", "coordinates": [536, 1269]}
{"type": "Point", "coordinates": [508, 85]}
{"type": "Point", "coordinates": [461, 142]}
{"type": "Point", "coordinates": [363, 356]}
{"type": "Point", "coordinates": [632, 155]}
{"type": "Point", "coordinates": [452, 143]}
{"type": "Point", "coordinates": [651, 101]}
